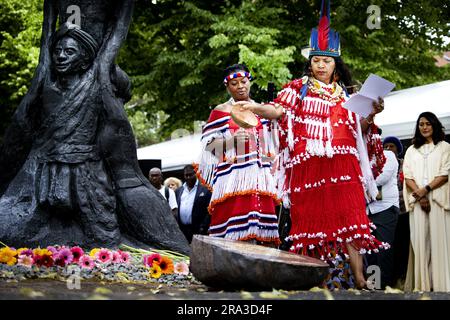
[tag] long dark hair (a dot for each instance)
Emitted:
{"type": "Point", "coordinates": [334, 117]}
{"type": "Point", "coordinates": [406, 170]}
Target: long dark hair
{"type": "Point", "coordinates": [438, 130]}
{"type": "Point", "coordinates": [341, 71]}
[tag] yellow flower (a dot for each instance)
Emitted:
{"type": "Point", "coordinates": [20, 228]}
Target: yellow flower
{"type": "Point", "coordinates": [155, 271]}
{"type": "Point", "coordinates": [42, 252]}
{"type": "Point", "coordinates": [8, 256]}
{"type": "Point", "coordinates": [93, 252]}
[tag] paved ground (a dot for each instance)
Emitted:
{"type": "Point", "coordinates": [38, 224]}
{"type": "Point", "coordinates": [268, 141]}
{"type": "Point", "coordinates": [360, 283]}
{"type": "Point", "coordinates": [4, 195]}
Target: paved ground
{"type": "Point", "coordinates": [43, 289]}
{"type": "Point", "coordinates": [53, 297]}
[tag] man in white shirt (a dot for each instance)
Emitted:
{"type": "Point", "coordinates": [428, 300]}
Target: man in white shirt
{"type": "Point", "coordinates": [193, 200]}
{"type": "Point", "coordinates": [156, 179]}
{"type": "Point", "coordinates": [384, 214]}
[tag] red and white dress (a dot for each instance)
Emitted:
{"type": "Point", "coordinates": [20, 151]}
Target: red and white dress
{"type": "Point", "coordinates": [243, 188]}
{"type": "Point", "coordinates": [325, 171]}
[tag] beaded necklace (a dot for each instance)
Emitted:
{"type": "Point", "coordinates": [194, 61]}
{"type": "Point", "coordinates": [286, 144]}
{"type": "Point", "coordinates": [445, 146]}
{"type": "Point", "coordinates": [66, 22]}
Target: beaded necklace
{"type": "Point", "coordinates": [332, 93]}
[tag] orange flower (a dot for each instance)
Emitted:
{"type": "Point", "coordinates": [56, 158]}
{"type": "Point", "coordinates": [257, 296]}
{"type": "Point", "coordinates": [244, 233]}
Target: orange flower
{"type": "Point", "coordinates": [166, 265]}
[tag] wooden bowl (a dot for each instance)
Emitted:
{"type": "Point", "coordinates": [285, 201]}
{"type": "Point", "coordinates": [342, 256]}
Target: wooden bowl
{"type": "Point", "coordinates": [236, 265]}
{"type": "Point", "coordinates": [243, 118]}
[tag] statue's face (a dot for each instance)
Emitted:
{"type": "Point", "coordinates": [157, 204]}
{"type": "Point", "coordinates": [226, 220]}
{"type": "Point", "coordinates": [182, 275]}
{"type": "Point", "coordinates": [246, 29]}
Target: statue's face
{"type": "Point", "coordinates": [68, 56]}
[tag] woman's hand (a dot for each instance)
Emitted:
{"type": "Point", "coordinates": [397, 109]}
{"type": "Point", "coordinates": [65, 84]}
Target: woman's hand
{"type": "Point", "coordinates": [425, 204]}
{"type": "Point", "coordinates": [419, 193]}
{"type": "Point", "coordinates": [378, 106]}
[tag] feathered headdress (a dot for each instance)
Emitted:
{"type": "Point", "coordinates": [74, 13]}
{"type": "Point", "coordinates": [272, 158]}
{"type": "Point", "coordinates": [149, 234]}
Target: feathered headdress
{"type": "Point", "coordinates": [324, 41]}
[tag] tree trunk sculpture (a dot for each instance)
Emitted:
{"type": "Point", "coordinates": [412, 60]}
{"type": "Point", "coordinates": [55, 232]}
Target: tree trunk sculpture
{"type": "Point", "coordinates": [70, 171]}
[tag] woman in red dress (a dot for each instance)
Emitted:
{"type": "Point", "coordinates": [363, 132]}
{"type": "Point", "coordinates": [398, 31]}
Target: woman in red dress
{"type": "Point", "coordinates": [325, 171]}
{"type": "Point", "coordinates": [236, 166]}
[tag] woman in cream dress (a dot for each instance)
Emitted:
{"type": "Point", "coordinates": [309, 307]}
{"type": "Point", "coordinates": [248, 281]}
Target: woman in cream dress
{"type": "Point", "coordinates": [426, 193]}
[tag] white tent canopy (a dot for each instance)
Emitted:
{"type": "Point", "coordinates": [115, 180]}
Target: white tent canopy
{"type": "Point", "coordinates": [398, 118]}
{"type": "Point", "coordinates": [404, 106]}
{"type": "Point", "coordinates": [175, 153]}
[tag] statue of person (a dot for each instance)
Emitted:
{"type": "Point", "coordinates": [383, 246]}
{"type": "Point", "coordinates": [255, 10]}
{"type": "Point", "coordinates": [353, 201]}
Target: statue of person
{"type": "Point", "coordinates": [77, 180]}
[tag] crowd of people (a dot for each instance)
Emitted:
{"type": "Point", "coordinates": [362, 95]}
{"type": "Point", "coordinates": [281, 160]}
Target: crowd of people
{"type": "Point", "coordinates": [344, 187]}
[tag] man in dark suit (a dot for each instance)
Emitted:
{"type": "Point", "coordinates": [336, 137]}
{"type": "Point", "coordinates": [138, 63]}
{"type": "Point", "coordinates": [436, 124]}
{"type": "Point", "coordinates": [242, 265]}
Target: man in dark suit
{"type": "Point", "coordinates": [193, 200]}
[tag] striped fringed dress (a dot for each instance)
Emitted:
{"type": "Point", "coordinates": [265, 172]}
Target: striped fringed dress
{"type": "Point", "coordinates": [325, 171]}
{"type": "Point", "coordinates": [243, 188]}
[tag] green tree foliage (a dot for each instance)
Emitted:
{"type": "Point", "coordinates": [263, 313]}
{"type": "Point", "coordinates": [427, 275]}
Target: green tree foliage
{"type": "Point", "coordinates": [176, 50]}
{"type": "Point", "coordinates": [185, 45]}
{"type": "Point", "coordinates": [20, 31]}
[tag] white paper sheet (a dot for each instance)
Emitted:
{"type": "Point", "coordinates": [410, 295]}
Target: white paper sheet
{"type": "Point", "coordinates": [374, 87]}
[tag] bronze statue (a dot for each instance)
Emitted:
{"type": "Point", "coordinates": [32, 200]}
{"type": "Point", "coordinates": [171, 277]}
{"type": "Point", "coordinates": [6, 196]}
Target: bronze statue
{"type": "Point", "coordinates": [72, 173]}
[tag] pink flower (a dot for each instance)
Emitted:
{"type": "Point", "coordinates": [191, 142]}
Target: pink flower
{"type": "Point", "coordinates": [25, 260]}
{"type": "Point", "coordinates": [181, 268]}
{"type": "Point", "coordinates": [27, 252]}
{"type": "Point", "coordinates": [86, 262]}
{"type": "Point", "coordinates": [63, 257]}
{"type": "Point", "coordinates": [125, 257]}
{"type": "Point", "coordinates": [117, 257]}
{"type": "Point", "coordinates": [150, 258]}
{"type": "Point", "coordinates": [77, 253]}
{"type": "Point", "coordinates": [104, 256]}
{"type": "Point", "coordinates": [52, 249]}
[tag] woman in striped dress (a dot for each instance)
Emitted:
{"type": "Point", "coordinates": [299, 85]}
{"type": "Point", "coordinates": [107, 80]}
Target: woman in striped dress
{"type": "Point", "coordinates": [236, 166]}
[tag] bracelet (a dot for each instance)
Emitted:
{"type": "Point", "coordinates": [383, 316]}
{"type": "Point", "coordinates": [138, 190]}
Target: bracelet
{"type": "Point", "coordinates": [428, 188]}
